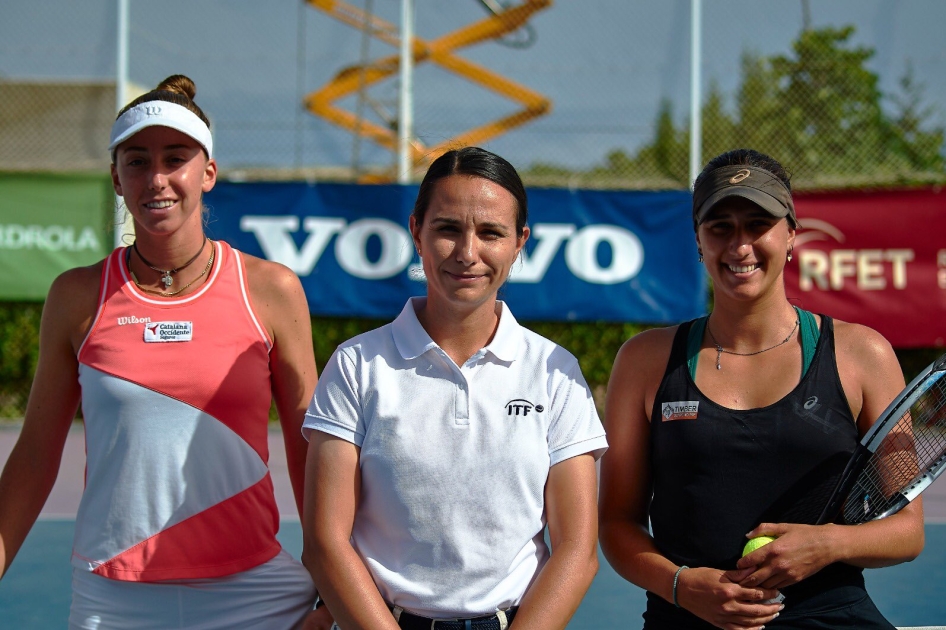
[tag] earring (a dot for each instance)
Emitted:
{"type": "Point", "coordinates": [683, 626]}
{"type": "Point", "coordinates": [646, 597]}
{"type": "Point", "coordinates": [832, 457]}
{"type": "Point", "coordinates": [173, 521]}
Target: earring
{"type": "Point", "coordinates": [790, 254]}
{"type": "Point", "coordinates": [700, 251]}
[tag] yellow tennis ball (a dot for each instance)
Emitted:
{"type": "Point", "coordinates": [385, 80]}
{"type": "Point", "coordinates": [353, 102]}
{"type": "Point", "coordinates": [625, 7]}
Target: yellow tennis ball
{"type": "Point", "coordinates": [755, 543]}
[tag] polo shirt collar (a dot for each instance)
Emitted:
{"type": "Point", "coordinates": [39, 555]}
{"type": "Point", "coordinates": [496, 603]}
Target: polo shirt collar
{"type": "Point", "coordinates": [409, 336]}
{"type": "Point", "coordinates": [505, 343]}
{"type": "Point", "coordinates": [412, 340]}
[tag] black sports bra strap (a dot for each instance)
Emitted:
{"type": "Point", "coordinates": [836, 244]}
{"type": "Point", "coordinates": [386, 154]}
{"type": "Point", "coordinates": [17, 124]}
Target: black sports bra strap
{"type": "Point", "coordinates": [694, 341]}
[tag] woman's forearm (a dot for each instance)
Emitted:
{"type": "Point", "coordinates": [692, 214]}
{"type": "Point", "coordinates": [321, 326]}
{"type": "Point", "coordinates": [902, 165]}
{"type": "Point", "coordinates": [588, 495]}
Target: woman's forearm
{"type": "Point", "coordinates": [570, 495]}
{"type": "Point", "coordinates": [632, 554]}
{"type": "Point", "coordinates": [555, 595]}
{"type": "Point", "coordinates": [346, 587]}
{"type": "Point", "coordinates": [883, 543]}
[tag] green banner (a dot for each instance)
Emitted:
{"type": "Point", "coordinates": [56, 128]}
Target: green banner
{"type": "Point", "coordinates": [50, 223]}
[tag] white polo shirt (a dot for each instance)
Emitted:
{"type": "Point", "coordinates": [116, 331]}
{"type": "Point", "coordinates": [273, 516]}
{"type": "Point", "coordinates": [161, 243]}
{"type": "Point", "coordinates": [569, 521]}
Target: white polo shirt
{"type": "Point", "coordinates": [454, 460]}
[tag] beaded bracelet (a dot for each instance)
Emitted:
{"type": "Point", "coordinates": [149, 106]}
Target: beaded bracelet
{"type": "Point", "coordinates": [676, 578]}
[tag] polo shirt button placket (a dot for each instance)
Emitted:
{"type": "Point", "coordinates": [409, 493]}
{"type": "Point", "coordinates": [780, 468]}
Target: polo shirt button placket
{"type": "Point", "coordinates": [463, 402]}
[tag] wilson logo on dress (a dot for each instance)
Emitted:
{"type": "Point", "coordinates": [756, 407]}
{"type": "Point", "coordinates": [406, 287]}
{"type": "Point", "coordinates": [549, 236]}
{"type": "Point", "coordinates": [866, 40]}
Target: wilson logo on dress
{"type": "Point", "coordinates": [131, 319]}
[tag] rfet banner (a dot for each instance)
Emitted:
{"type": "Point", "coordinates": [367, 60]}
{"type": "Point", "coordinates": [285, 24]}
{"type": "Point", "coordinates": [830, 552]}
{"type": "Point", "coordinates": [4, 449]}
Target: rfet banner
{"type": "Point", "coordinates": [50, 223]}
{"type": "Point", "coordinates": [592, 255]}
{"type": "Point", "coordinates": [875, 258]}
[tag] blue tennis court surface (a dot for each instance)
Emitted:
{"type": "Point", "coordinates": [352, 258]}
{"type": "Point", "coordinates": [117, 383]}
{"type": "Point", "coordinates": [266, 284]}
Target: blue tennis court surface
{"type": "Point", "coordinates": [36, 592]}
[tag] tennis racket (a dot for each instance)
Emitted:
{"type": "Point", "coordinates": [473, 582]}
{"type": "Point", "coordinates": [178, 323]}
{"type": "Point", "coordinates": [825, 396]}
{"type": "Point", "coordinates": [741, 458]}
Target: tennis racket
{"type": "Point", "coordinates": [899, 457]}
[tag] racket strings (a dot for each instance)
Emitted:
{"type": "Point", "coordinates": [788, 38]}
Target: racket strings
{"type": "Point", "coordinates": [905, 458]}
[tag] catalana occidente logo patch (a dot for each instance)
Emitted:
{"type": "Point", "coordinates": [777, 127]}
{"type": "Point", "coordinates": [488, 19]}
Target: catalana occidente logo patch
{"type": "Point", "coordinates": [680, 410]}
{"type": "Point", "coordinates": [161, 332]}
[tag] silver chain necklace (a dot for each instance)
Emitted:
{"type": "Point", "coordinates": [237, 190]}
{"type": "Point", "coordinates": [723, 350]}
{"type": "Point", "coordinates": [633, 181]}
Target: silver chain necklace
{"type": "Point", "coordinates": [203, 273]}
{"type": "Point", "coordinates": [720, 350]}
{"type": "Point", "coordinates": [166, 273]}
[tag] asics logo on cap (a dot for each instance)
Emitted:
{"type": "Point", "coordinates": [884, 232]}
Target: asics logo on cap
{"type": "Point", "coordinates": [738, 177]}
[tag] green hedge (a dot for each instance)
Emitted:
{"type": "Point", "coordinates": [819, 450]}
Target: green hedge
{"type": "Point", "coordinates": [19, 352]}
{"type": "Point", "coordinates": [595, 345]}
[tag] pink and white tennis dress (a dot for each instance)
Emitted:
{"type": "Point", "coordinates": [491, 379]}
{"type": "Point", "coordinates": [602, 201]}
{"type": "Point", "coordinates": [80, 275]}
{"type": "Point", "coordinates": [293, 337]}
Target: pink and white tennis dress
{"type": "Point", "coordinates": [176, 395]}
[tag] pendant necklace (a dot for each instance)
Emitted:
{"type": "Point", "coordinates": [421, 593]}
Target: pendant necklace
{"type": "Point", "coordinates": [720, 350]}
{"type": "Point", "coordinates": [203, 273]}
{"type": "Point", "coordinates": [166, 273]}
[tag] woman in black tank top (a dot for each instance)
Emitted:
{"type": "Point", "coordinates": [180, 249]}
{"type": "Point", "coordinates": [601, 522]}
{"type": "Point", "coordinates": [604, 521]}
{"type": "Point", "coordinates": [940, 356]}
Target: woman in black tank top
{"type": "Point", "coordinates": [737, 425]}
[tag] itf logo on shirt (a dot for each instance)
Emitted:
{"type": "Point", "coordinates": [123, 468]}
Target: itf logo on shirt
{"type": "Point", "coordinates": [159, 332]}
{"type": "Point", "coordinates": [680, 410]}
{"type": "Point", "coordinates": [521, 407]}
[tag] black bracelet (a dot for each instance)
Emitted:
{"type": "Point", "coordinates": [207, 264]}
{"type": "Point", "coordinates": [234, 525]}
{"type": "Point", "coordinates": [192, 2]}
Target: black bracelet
{"type": "Point", "coordinates": [676, 579]}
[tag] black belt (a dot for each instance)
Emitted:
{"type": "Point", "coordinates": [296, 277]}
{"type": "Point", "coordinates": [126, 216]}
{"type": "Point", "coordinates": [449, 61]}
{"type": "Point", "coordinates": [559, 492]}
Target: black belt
{"type": "Point", "coordinates": [408, 621]}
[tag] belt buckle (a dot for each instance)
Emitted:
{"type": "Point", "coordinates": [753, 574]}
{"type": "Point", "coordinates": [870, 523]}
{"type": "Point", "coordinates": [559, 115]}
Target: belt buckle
{"type": "Point", "coordinates": [467, 623]}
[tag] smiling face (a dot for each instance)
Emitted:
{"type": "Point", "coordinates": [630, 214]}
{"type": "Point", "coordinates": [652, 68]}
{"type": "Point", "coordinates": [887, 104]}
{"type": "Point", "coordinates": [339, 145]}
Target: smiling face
{"type": "Point", "coordinates": [744, 249]}
{"type": "Point", "coordinates": [161, 173]}
{"type": "Point", "coordinates": [467, 241]}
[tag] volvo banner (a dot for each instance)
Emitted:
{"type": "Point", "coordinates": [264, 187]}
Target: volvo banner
{"type": "Point", "coordinates": [592, 255]}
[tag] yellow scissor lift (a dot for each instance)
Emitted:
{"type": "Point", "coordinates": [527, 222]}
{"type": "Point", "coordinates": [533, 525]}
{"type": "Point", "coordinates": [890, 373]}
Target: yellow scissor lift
{"type": "Point", "coordinates": [440, 51]}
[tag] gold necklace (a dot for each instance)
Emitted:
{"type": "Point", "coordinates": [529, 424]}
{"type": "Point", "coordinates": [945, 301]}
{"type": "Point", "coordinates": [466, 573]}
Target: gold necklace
{"type": "Point", "coordinates": [203, 273]}
{"type": "Point", "coordinates": [166, 273]}
{"type": "Point", "coordinates": [720, 350]}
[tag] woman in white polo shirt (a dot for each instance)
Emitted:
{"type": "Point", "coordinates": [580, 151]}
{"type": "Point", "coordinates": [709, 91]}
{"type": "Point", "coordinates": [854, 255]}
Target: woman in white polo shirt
{"type": "Point", "coordinates": [443, 443]}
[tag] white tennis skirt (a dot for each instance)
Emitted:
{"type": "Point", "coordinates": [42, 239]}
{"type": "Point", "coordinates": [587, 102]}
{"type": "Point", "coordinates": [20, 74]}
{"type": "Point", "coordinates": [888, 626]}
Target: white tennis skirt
{"type": "Point", "coordinates": [276, 595]}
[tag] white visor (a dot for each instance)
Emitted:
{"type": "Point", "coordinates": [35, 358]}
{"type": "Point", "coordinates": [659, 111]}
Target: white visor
{"type": "Point", "coordinates": [161, 114]}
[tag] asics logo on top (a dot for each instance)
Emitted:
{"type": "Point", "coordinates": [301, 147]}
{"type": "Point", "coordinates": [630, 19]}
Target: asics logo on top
{"type": "Point", "coordinates": [522, 407]}
{"type": "Point", "coordinates": [131, 319]}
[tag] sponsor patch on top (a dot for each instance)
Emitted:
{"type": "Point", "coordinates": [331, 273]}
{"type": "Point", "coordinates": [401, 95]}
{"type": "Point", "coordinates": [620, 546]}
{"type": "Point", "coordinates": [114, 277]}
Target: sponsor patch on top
{"type": "Point", "coordinates": [160, 332]}
{"type": "Point", "coordinates": [680, 410]}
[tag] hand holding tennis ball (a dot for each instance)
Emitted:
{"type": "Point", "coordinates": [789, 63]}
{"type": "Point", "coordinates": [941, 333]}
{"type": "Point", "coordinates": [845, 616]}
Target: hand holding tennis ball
{"type": "Point", "coordinates": [755, 543]}
{"type": "Point", "coordinates": [752, 545]}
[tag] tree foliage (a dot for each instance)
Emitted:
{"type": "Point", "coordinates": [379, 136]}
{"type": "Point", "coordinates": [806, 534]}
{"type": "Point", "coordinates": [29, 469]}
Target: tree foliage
{"type": "Point", "coordinates": [818, 109]}
{"type": "Point", "coordinates": [594, 343]}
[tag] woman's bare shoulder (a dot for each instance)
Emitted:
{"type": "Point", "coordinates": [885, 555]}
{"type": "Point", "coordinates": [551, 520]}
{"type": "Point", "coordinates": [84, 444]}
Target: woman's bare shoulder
{"type": "Point", "coordinates": [276, 292]}
{"type": "Point", "coordinates": [78, 287]}
{"type": "Point", "coordinates": [268, 274]}
{"type": "Point", "coordinates": [861, 343]}
{"type": "Point", "coordinates": [72, 301]}
{"type": "Point", "coordinates": [647, 352]}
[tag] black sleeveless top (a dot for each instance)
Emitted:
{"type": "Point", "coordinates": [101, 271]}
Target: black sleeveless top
{"type": "Point", "coordinates": [717, 473]}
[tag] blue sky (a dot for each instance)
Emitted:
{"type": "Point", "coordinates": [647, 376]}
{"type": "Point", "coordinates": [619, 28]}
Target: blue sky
{"type": "Point", "coordinates": [605, 64]}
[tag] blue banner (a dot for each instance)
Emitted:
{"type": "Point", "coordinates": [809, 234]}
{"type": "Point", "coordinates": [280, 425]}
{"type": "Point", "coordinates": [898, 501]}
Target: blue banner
{"type": "Point", "coordinates": [592, 255]}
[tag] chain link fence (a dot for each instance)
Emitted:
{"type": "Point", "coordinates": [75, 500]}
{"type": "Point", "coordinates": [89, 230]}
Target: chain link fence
{"type": "Point", "coordinates": [576, 94]}
{"type": "Point", "coordinates": [847, 93]}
